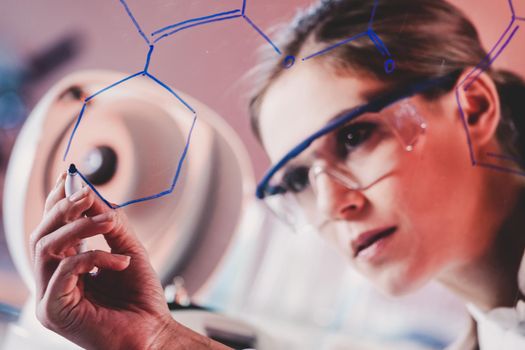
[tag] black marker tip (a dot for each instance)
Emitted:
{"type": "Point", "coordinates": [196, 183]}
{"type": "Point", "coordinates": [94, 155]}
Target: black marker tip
{"type": "Point", "coordinates": [72, 169]}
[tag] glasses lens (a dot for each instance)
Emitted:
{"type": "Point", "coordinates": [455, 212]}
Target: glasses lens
{"type": "Point", "coordinates": [357, 154]}
{"type": "Point", "coordinates": [297, 210]}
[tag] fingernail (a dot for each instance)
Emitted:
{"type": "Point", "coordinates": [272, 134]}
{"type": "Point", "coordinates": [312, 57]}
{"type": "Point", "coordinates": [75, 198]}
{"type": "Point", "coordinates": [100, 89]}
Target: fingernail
{"type": "Point", "coordinates": [60, 178]}
{"type": "Point", "coordinates": [125, 258]}
{"type": "Point", "coordinates": [108, 216]}
{"type": "Point", "coordinates": [79, 194]}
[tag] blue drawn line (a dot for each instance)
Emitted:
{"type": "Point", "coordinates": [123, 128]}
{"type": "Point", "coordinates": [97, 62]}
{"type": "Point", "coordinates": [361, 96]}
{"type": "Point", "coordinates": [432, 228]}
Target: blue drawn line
{"type": "Point", "coordinates": [222, 16]}
{"type": "Point", "coordinates": [519, 18]}
{"type": "Point", "coordinates": [499, 41]}
{"type": "Point", "coordinates": [505, 157]}
{"type": "Point", "coordinates": [183, 156]}
{"type": "Point", "coordinates": [378, 43]}
{"type": "Point", "coordinates": [171, 91]}
{"type": "Point", "coordinates": [193, 20]}
{"type": "Point", "coordinates": [345, 117]}
{"type": "Point", "coordinates": [372, 16]}
{"type": "Point", "coordinates": [481, 65]}
{"type": "Point", "coordinates": [95, 190]}
{"type": "Point", "coordinates": [113, 85]}
{"type": "Point", "coordinates": [500, 168]}
{"type": "Point", "coordinates": [145, 199]}
{"type": "Point", "coordinates": [74, 130]}
{"type": "Point", "coordinates": [346, 41]}
{"type": "Point", "coordinates": [262, 34]}
{"type": "Point", "coordinates": [195, 25]}
{"type": "Point", "coordinates": [123, 2]}
{"type": "Point", "coordinates": [154, 196]}
{"type": "Point", "coordinates": [494, 58]}
{"type": "Point", "coordinates": [485, 63]}
{"type": "Point", "coordinates": [146, 67]}
{"type": "Point", "coordinates": [84, 108]}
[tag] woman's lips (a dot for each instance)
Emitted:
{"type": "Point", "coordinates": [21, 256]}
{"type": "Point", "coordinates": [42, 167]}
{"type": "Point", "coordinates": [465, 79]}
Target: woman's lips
{"type": "Point", "coordinates": [367, 241]}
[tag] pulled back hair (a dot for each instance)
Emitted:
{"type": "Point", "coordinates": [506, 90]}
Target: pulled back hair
{"type": "Point", "coordinates": [427, 39]}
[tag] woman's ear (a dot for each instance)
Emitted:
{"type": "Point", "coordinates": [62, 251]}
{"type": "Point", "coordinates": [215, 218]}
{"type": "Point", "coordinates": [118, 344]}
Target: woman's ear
{"type": "Point", "coordinates": [479, 107]}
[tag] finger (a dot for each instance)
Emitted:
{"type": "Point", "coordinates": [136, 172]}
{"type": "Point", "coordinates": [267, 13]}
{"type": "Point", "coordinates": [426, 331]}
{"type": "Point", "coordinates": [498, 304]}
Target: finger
{"type": "Point", "coordinates": [65, 278]}
{"type": "Point", "coordinates": [64, 211]}
{"type": "Point", "coordinates": [56, 194]}
{"type": "Point", "coordinates": [121, 239]}
{"type": "Point", "coordinates": [70, 235]}
{"type": "Point", "coordinates": [99, 206]}
{"type": "Point", "coordinates": [62, 294]}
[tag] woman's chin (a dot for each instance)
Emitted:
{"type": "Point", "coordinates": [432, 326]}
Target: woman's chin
{"type": "Point", "coordinates": [393, 282]}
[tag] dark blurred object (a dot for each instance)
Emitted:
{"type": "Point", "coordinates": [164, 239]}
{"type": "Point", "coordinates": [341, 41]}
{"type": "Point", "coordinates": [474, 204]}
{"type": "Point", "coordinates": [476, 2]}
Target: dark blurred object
{"type": "Point", "coordinates": [16, 79]}
{"type": "Point", "coordinates": [12, 108]}
{"type": "Point", "coordinates": [237, 341]}
{"type": "Point", "coordinates": [173, 306]}
{"type": "Point", "coordinates": [8, 313]}
{"type": "Point", "coordinates": [52, 58]}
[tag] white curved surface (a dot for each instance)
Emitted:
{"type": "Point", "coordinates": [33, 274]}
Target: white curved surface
{"type": "Point", "coordinates": [43, 134]}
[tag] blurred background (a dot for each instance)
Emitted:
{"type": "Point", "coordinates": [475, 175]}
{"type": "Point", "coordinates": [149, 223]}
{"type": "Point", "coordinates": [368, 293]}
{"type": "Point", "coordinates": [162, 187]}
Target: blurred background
{"type": "Point", "coordinates": [43, 41]}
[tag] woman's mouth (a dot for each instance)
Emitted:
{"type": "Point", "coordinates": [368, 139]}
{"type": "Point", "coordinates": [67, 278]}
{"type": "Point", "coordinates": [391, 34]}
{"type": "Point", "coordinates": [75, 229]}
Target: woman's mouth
{"type": "Point", "coordinates": [370, 243]}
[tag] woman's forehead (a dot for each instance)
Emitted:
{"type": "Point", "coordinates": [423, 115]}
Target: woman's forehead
{"type": "Point", "coordinates": [304, 99]}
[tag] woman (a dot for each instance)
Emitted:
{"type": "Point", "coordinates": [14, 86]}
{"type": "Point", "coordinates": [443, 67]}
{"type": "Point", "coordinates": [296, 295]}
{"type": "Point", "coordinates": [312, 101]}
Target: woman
{"type": "Point", "coordinates": [380, 164]}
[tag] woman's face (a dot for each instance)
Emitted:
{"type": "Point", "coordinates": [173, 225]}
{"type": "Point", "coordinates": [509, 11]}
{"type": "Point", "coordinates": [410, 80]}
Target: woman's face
{"type": "Point", "coordinates": [429, 205]}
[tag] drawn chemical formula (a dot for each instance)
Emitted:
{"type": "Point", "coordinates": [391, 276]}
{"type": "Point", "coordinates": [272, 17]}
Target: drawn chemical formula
{"type": "Point", "coordinates": [158, 35]}
{"type": "Point", "coordinates": [498, 48]}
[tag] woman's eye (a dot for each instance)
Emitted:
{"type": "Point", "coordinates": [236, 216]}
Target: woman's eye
{"type": "Point", "coordinates": [296, 179]}
{"type": "Point", "coordinates": [352, 136]}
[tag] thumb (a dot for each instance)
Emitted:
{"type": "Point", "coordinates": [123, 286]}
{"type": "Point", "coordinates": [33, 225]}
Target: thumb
{"type": "Point", "coordinates": [65, 293]}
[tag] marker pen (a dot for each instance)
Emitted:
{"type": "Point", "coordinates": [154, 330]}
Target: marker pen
{"type": "Point", "coordinates": [72, 185]}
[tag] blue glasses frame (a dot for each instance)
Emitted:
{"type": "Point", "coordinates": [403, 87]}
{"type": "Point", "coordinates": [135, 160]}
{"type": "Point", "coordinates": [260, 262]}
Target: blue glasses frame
{"type": "Point", "coordinates": [264, 189]}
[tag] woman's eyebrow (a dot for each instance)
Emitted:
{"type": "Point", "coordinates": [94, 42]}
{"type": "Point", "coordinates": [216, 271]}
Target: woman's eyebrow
{"type": "Point", "coordinates": [343, 113]}
{"type": "Point", "coordinates": [346, 111]}
{"type": "Point", "coordinates": [368, 96]}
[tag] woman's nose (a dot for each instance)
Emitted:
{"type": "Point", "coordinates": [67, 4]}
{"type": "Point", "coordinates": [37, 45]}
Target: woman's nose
{"type": "Point", "coordinates": [337, 201]}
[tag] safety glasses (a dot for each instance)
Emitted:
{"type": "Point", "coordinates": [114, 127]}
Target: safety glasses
{"type": "Point", "coordinates": [356, 150]}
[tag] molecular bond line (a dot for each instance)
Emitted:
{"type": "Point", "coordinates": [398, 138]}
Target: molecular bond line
{"type": "Point", "coordinates": [289, 60]}
{"type": "Point", "coordinates": [381, 47]}
{"type": "Point", "coordinates": [154, 196]}
{"type": "Point", "coordinates": [172, 29]}
{"type": "Point", "coordinates": [498, 48]}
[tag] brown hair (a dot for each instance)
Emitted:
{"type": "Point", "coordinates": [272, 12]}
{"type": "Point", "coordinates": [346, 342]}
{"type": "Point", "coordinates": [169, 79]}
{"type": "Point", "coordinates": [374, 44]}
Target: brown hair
{"type": "Point", "coordinates": [427, 39]}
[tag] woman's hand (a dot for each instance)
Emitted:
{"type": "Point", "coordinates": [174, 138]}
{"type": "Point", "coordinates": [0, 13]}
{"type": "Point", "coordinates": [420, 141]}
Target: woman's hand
{"type": "Point", "coordinates": [122, 306]}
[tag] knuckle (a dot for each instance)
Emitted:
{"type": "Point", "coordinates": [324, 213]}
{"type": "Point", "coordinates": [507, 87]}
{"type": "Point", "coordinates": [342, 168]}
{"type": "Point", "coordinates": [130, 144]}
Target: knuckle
{"type": "Point", "coordinates": [41, 246]}
{"type": "Point", "coordinates": [44, 314]}
{"type": "Point", "coordinates": [118, 219]}
{"type": "Point", "coordinates": [76, 226]}
{"type": "Point", "coordinates": [90, 196]}
{"type": "Point", "coordinates": [33, 238]}
{"type": "Point", "coordinates": [106, 227]}
{"type": "Point", "coordinates": [61, 209]}
{"type": "Point", "coordinates": [69, 211]}
{"type": "Point", "coordinates": [66, 264]}
{"type": "Point", "coordinates": [92, 254]}
{"type": "Point", "coordinates": [48, 204]}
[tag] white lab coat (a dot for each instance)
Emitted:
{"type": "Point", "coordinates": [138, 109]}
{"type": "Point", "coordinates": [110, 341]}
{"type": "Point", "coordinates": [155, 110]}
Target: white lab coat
{"type": "Point", "coordinates": [502, 327]}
